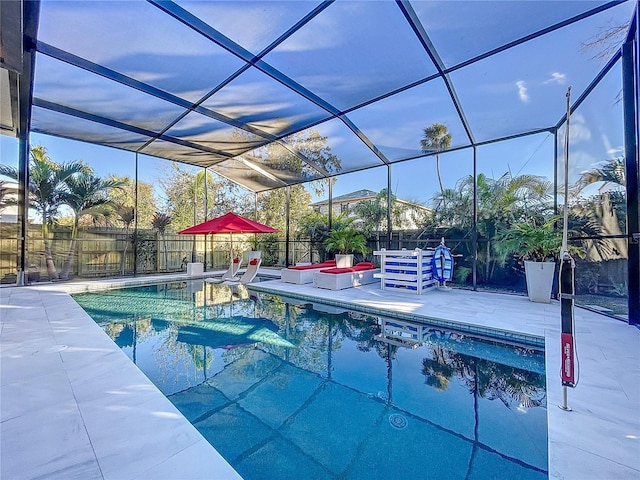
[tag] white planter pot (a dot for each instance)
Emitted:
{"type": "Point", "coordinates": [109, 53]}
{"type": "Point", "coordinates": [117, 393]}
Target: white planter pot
{"type": "Point", "coordinates": [539, 280]}
{"type": "Point", "coordinates": [344, 261]}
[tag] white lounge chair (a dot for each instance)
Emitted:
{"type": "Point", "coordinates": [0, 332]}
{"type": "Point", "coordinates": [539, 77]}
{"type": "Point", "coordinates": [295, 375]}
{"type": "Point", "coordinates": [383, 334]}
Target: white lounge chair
{"type": "Point", "coordinates": [255, 260]}
{"type": "Point", "coordinates": [231, 272]}
{"type": "Point", "coordinates": [303, 273]}
{"type": "Point", "coordinates": [341, 278]}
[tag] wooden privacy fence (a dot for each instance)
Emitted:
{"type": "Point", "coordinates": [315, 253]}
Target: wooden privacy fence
{"type": "Point", "coordinates": [109, 252]}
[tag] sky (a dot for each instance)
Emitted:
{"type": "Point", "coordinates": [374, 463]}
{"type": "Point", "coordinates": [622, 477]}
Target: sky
{"type": "Point", "coordinates": [500, 95]}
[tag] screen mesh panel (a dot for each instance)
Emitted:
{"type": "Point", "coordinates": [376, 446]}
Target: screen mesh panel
{"type": "Point", "coordinates": [278, 93]}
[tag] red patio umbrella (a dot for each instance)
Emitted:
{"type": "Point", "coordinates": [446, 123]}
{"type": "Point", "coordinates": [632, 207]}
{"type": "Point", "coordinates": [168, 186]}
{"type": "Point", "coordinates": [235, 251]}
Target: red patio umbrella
{"type": "Point", "coordinates": [228, 223]}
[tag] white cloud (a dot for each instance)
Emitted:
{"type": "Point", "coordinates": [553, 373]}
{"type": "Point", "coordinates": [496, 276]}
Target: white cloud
{"type": "Point", "coordinates": [579, 130]}
{"type": "Point", "coordinates": [579, 161]}
{"type": "Point", "coordinates": [579, 133]}
{"type": "Point", "coordinates": [612, 151]}
{"type": "Point", "coordinates": [522, 91]}
{"type": "Point", "coordinates": [557, 77]}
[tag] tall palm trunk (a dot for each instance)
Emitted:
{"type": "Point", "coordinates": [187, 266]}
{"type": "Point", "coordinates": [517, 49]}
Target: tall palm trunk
{"type": "Point", "coordinates": [52, 273]}
{"type": "Point", "coordinates": [438, 172]}
{"type": "Point", "coordinates": [66, 266]}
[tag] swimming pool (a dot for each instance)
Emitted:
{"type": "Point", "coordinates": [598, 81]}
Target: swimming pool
{"type": "Point", "coordinates": [284, 390]}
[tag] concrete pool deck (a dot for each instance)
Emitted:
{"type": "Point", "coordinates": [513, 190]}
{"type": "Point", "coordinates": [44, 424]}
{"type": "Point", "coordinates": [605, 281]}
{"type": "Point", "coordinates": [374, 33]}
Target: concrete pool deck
{"type": "Point", "coordinates": [74, 406]}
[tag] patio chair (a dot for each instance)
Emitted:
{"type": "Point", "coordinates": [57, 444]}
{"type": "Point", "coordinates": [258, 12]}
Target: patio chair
{"type": "Point", "coordinates": [251, 271]}
{"type": "Point", "coordinates": [231, 272]}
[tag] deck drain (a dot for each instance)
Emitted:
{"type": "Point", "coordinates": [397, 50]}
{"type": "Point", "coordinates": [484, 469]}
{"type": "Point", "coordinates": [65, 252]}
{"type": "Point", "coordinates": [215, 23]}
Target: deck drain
{"type": "Point", "coordinates": [398, 421]}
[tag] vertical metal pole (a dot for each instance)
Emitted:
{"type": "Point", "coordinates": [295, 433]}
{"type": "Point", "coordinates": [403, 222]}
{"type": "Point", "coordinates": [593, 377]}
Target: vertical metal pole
{"type": "Point", "coordinates": [389, 209]}
{"type": "Point", "coordinates": [28, 30]}
{"type": "Point", "coordinates": [194, 253]}
{"type": "Point", "coordinates": [565, 213]}
{"type": "Point", "coordinates": [287, 237]}
{"type": "Point", "coordinates": [206, 205]}
{"type": "Point", "coordinates": [630, 109]}
{"type": "Point", "coordinates": [474, 234]}
{"type": "Point", "coordinates": [567, 281]}
{"type": "Point", "coordinates": [564, 405]}
{"type": "Point", "coordinates": [555, 171]}
{"type": "Point", "coordinates": [330, 212]}
{"type": "Point", "coordinates": [135, 224]}
{"type": "Point", "coordinates": [23, 206]}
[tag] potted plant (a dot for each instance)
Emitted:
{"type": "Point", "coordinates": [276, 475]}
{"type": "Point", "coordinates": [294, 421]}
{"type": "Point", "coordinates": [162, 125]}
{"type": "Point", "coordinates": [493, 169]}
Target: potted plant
{"type": "Point", "coordinates": [538, 246]}
{"type": "Point", "coordinates": [345, 243]}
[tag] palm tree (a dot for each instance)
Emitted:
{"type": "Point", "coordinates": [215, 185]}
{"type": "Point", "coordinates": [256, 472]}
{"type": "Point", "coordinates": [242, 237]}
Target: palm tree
{"type": "Point", "coordinates": [160, 222]}
{"type": "Point", "coordinates": [613, 172]}
{"type": "Point", "coordinates": [436, 138]}
{"type": "Point", "coordinates": [85, 192]}
{"type": "Point", "coordinates": [604, 214]}
{"type": "Point", "coordinates": [501, 203]}
{"type": "Point", "coordinates": [47, 188]}
{"type": "Point", "coordinates": [127, 216]}
{"type": "Point", "coordinates": [508, 200]}
{"type": "Point", "coordinates": [372, 213]}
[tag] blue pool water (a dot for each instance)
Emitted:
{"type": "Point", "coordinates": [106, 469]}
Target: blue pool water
{"type": "Point", "coordinates": [286, 390]}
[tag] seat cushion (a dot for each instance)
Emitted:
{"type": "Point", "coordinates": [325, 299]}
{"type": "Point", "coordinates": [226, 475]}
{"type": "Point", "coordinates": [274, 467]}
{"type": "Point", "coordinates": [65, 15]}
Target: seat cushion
{"type": "Point", "coordinates": [357, 268]}
{"type": "Point", "coordinates": [327, 264]}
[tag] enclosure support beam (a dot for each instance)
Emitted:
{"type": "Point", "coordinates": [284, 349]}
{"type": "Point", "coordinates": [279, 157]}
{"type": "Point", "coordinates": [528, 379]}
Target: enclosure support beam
{"type": "Point", "coordinates": [30, 19]}
{"type": "Point", "coordinates": [23, 206]}
{"type": "Point", "coordinates": [205, 208]}
{"type": "Point", "coordinates": [287, 237]}
{"type": "Point", "coordinates": [135, 225]}
{"type": "Point", "coordinates": [474, 234]}
{"type": "Point", "coordinates": [389, 209]}
{"type": "Point", "coordinates": [330, 203]}
{"type": "Point", "coordinates": [555, 171]}
{"type": "Point", "coordinates": [630, 107]}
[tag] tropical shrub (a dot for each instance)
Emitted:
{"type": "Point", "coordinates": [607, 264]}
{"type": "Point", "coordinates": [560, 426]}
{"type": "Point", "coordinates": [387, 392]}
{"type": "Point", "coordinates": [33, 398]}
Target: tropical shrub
{"type": "Point", "coordinates": [528, 241]}
{"type": "Point", "coordinates": [346, 241]}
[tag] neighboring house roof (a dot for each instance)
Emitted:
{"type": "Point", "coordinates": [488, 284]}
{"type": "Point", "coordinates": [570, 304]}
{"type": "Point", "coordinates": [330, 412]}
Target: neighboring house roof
{"type": "Point", "coordinates": [607, 187]}
{"type": "Point", "coordinates": [357, 195]}
{"type": "Point", "coordinates": [354, 198]}
{"type": "Point", "coordinates": [360, 196]}
{"type": "Point", "coordinates": [9, 213]}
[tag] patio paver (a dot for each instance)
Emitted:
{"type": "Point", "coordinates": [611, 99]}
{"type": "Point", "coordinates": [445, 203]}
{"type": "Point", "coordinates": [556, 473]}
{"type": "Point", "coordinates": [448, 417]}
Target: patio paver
{"type": "Point", "coordinates": [74, 406]}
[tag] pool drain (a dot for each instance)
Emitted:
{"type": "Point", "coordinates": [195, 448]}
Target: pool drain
{"type": "Point", "coordinates": [397, 421]}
